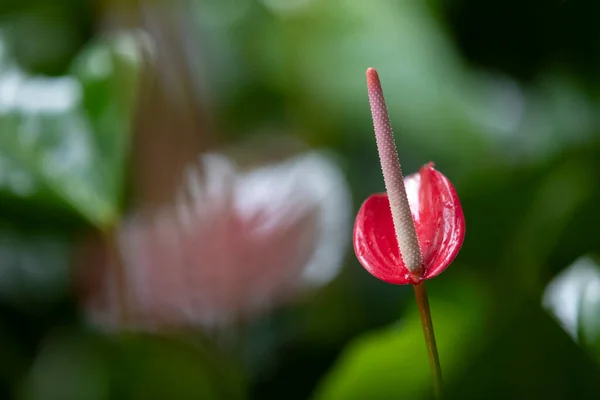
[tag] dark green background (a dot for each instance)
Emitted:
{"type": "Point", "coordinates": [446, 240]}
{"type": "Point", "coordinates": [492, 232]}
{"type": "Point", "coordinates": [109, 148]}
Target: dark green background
{"type": "Point", "coordinates": [503, 95]}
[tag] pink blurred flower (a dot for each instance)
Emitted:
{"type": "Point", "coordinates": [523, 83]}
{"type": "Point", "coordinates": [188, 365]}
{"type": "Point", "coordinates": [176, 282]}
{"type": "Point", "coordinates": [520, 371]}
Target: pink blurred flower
{"type": "Point", "coordinates": [235, 244]}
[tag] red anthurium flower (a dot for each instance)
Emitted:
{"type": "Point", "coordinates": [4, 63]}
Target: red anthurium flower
{"type": "Point", "coordinates": [413, 232]}
{"type": "Point", "coordinates": [438, 220]}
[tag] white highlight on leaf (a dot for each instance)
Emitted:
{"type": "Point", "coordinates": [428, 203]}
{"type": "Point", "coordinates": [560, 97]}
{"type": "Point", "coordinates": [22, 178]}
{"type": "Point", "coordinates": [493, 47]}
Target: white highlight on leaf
{"type": "Point", "coordinates": [18, 93]}
{"type": "Point", "coordinates": [564, 294]}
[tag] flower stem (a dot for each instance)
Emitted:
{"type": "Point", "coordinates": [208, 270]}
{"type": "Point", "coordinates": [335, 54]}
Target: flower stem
{"type": "Point", "coordinates": [432, 351]}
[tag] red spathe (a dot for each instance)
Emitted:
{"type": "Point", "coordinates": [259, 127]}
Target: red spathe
{"type": "Point", "coordinates": [439, 222]}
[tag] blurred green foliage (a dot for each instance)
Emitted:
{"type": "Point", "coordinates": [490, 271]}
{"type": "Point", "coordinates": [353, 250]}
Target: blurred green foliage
{"type": "Point", "coordinates": [70, 134]}
{"type": "Point", "coordinates": [127, 368]}
{"type": "Point", "coordinates": [502, 95]}
{"type": "Point", "coordinates": [394, 364]}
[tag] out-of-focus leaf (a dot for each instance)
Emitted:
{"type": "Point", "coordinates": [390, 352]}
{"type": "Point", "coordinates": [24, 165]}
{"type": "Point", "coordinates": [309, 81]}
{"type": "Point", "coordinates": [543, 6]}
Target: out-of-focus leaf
{"type": "Point", "coordinates": [68, 368]}
{"type": "Point", "coordinates": [573, 298]}
{"type": "Point", "coordinates": [562, 192]}
{"type": "Point", "coordinates": [15, 179]}
{"type": "Point", "coordinates": [109, 73]}
{"type": "Point", "coordinates": [71, 133]}
{"type": "Point", "coordinates": [393, 363]}
{"type": "Point", "coordinates": [80, 366]}
{"type": "Point", "coordinates": [527, 356]}
{"type": "Point", "coordinates": [160, 368]}
{"type": "Point", "coordinates": [589, 320]}
{"type": "Point", "coordinates": [441, 107]}
{"type": "Point", "coordinates": [44, 37]}
{"type": "Point", "coordinates": [431, 98]}
{"type": "Point", "coordinates": [485, 352]}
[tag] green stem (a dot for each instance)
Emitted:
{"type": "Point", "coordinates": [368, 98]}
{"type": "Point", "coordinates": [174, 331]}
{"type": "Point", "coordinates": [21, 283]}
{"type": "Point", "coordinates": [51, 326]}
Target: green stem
{"type": "Point", "coordinates": [432, 351]}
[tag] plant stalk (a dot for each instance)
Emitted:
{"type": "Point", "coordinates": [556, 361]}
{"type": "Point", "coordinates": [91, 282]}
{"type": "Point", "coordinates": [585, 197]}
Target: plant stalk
{"type": "Point", "coordinates": [404, 226]}
{"type": "Point", "coordinates": [432, 351]}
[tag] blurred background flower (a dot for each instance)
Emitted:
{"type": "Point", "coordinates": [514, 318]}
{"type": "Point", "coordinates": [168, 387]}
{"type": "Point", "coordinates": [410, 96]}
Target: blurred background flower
{"type": "Point", "coordinates": [236, 243]}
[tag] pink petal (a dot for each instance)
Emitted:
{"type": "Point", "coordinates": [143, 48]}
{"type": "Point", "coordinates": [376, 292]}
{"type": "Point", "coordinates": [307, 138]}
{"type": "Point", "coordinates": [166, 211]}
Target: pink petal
{"type": "Point", "coordinates": [237, 243]}
{"type": "Point", "coordinates": [439, 221]}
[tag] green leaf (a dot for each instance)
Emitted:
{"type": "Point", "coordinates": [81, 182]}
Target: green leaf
{"type": "Point", "coordinates": [74, 365]}
{"type": "Point", "coordinates": [68, 367]}
{"type": "Point", "coordinates": [573, 299]}
{"type": "Point", "coordinates": [161, 368]}
{"type": "Point", "coordinates": [15, 179]}
{"type": "Point", "coordinates": [590, 317]}
{"type": "Point", "coordinates": [527, 355]}
{"type": "Point", "coordinates": [393, 363]}
{"type": "Point", "coordinates": [70, 134]}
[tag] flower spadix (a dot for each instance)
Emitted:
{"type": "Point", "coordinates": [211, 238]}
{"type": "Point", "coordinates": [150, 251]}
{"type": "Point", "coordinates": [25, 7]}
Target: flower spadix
{"type": "Point", "coordinates": [413, 231]}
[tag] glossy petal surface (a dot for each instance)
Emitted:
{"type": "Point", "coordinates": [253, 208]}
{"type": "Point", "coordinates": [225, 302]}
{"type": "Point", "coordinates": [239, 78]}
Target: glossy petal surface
{"type": "Point", "coordinates": [439, 222]}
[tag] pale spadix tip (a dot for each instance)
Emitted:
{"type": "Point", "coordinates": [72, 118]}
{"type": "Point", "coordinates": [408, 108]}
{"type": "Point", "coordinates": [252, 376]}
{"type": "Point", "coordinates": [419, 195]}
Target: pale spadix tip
{"type": "Point", "coordinates": [372, 78]}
